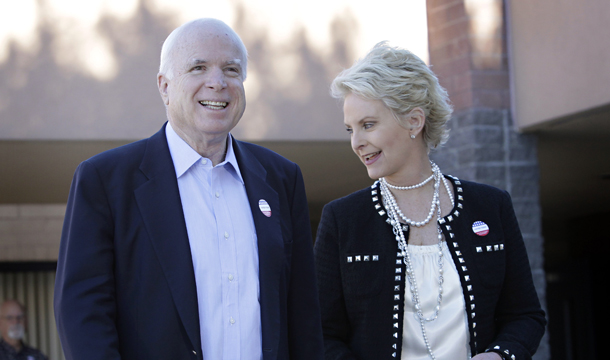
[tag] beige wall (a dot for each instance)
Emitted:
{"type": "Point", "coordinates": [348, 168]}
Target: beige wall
{"type": "Point", "coordinates": [86, 70]}
{"type": "Point", "coordinates": [560, 56]}
{"type": "Point", "coordinates": [30, 232]}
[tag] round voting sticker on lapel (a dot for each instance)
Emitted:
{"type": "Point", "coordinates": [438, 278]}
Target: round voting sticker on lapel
{"type": "Point", "coordinates": [265, 208]}
{"type": "Point", "coordinates": [480, 228]}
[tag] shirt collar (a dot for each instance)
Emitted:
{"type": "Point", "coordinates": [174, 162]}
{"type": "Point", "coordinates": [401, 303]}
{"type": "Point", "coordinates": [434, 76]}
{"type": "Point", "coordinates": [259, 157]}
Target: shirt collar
{"type": "Point", "coordinates": [184, 156]}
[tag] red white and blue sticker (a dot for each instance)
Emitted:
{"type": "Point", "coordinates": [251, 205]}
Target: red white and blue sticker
{"type": "Point", "coordinates": [265, 208]}
{"type": "Point", "coordinates": [480, 228]}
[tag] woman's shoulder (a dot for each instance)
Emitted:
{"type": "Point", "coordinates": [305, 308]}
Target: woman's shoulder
{"type": "Point", "coordinates": [482, 196]}
{"type": "Point", "coordinates": [475, 187]}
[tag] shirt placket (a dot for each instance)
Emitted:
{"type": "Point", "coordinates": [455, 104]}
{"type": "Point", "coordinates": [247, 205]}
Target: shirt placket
{"type": "Point", "coordinates": [228, 265]}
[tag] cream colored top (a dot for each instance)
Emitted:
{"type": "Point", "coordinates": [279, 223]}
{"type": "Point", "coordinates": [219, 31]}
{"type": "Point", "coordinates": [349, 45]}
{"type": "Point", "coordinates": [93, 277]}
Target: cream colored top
{"type": "Point", "coordinates": [448, 334]}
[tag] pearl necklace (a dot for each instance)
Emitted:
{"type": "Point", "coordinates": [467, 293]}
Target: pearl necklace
{"type": "Point", "coordinates": [395, 214]}
{"type": "Point", "coordinates": [436, 174]}
{"type": "Point", "coordinates": [410, 187]}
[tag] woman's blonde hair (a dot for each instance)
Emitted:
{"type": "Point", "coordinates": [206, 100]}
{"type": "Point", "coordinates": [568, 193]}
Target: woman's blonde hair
{"type": "Point", "coordinates": [403, 82]}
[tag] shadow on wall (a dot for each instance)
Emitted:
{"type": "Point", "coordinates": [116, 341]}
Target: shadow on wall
{"type": "Point", "coordinates": [49, 94]}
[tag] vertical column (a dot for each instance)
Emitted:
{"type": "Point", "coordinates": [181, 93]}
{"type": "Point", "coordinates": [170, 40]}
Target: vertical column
{"type": "Point", "coordinates": [468, 52]}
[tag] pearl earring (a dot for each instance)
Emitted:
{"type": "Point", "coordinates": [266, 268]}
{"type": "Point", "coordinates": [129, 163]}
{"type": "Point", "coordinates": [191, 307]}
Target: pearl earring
{"type": "Point", "coordinates": [412, 136]}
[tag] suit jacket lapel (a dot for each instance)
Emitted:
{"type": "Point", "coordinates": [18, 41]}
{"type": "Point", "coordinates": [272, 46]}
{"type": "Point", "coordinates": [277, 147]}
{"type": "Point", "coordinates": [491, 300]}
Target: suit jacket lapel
{"type": "Point", "coordinates": [159, 203]}
{"type": "Point", "coordinates": [270, 243]}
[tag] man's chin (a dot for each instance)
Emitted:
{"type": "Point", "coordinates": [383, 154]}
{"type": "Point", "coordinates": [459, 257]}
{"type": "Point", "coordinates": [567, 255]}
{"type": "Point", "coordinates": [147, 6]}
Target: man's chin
{"type": "Point", "coordinates": [16, 334]}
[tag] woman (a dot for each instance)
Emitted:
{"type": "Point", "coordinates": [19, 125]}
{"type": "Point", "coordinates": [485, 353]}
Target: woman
{"type": "Point", "coordinates": [419, 265]}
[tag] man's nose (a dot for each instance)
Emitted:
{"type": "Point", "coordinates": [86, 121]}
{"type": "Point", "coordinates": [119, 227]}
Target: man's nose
{"type": "Point", "coordinates": [216, 80]}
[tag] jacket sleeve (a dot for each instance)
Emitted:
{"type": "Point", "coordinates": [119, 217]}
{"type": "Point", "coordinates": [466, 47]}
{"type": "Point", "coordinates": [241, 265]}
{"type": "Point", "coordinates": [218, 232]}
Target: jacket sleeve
{"type": "Point", "coordinates": [304, 328]}
{"type": "Point", "coordinates": [335, 324]}
{"type": "Point", "coordinates": [520, 321]}
{"type": "Point", "coordinates": [84, 299]}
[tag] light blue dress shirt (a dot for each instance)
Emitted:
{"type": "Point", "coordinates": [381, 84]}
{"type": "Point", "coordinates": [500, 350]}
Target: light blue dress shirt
{"type": "Point", "coordinates": [224, 250]}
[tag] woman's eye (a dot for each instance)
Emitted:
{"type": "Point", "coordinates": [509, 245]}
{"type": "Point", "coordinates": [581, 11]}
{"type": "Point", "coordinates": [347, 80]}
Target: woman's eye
{"type": "Point", "coordinates": [368, 125]}
{"type": "Point", "coordinates": [349, 130]}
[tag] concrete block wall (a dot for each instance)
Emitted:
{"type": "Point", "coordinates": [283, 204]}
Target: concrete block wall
{"type": "Point", "coordinates": [467, 42]}
{"type": "Point", "coordinates": [30, 232]}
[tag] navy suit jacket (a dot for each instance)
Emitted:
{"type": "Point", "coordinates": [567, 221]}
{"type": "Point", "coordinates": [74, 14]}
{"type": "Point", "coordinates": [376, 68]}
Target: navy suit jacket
{"type": "Point", "coordinates": [125, 285]}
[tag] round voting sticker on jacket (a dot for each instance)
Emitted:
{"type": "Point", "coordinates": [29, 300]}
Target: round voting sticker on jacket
{"type": "Point", "coordinates": [480, 228]}
{"type": "Point", "coordinates": [265, 208]}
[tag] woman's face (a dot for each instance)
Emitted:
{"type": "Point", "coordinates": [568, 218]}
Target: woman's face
{"type": "Point", "coordinates": [377, 139]}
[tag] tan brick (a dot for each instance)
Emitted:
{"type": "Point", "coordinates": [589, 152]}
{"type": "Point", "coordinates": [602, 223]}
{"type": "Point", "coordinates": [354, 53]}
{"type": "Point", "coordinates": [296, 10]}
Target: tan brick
{"type": "Point", "coordinates": [31, 232]}
{"type": "Point", "coordinates": [42, 210]}
{"type": "Point", "coordinates": [9, 211]}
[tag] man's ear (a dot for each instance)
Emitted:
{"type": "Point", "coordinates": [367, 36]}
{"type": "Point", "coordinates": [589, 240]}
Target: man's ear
{"type": "Point", "coordinates": [163, 84]}
{"type": "Point", "coordinates": [415, 120]}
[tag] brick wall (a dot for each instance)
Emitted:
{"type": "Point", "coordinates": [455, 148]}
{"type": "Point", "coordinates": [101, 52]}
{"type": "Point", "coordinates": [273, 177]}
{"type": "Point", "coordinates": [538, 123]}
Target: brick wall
{"type": "Point", "coordinates": [468, 52]}
{"type": "Point", "coordinates": [30, 232]}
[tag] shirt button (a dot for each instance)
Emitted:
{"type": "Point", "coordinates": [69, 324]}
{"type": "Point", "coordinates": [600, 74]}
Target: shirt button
{"type": "Point", "coordinates": [204, 161]}
{"type": "Point", "coordinates": [217, 194]}
{"type": "Point", "coordinates": [232, 321]}
{"type": "Point", "coordinates": [226, 235]}
{"type": "Point", "coordinates": [230, 277]}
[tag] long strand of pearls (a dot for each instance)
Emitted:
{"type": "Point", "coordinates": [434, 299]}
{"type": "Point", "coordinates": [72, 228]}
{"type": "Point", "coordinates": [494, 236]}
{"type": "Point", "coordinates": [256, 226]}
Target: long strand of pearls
{"type": "Point", "coordinates": [449, 192]}
{"type": "Point", "coordinates": [395, 214]}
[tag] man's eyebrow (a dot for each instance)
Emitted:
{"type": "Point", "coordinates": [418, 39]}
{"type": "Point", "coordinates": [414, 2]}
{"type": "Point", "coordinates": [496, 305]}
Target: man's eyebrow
{"type": "Point", "coordinates": [203, 62]}
{"type": "Point", "coordinates": [234, 62]}
{"type": "Point", "coordinates": [198, 62]}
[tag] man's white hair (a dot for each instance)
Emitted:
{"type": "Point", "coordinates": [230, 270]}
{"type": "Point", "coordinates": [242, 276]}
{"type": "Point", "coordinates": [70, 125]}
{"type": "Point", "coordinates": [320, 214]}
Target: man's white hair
{"type": "Point", "coordinates": [166, 64]}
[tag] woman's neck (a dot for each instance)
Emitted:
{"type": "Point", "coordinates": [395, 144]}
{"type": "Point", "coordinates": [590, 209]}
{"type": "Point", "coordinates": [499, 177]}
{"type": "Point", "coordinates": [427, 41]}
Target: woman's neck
{"type": "Point", "coordinates": [416, 170]}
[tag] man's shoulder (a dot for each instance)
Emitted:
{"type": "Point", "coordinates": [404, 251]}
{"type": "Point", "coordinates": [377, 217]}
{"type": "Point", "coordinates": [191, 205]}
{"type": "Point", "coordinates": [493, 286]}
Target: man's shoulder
{"type": "Point", "coordinates": [120, 154]}
{"type": "Point", "coordinates": [131, 154]}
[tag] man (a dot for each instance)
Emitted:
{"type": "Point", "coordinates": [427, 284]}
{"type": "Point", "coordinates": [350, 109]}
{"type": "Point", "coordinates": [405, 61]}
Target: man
{"type": "Point", "coordinates": [189, 244]}
{"type": "Point", "coordinates": [12, 331]}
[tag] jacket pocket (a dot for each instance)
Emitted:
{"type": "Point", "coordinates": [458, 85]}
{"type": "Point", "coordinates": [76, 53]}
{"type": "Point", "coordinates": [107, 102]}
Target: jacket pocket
{"type": "Point", "coordinates": [490, 262]}
{"type": "Point", "coordinates": [363, 274]}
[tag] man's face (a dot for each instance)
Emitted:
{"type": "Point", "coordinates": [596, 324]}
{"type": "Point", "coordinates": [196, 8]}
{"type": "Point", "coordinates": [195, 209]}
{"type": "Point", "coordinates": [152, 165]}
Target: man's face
{"type": "Point", "coordinates": [205, 96]}
{"type": "Point", "coordinates": [12, 321]}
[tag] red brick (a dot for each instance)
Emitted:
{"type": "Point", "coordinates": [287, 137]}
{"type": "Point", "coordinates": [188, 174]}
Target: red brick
{"type": "Point", "coordinates": [456, 30]}
{"type": "Point", "coordinates": [490, 80]}
{"type": "Point", "coordinates": [442, 17]}
{"type": "Point", "coordinates": [461, 100]}
{"type": "Point", "coordinates": [462, 82]}
{"type": "Point", "coordinates": [473, 77]}
{"type": "Point", "coordinates": [495, 99]}
{"type": "Point", "coordinates": [451, 68]}
{"type": "Point", "coordinates": [454, 50]}
{"type": "Point", "coordinates": [433, 5]}
{"type": "Point", "coordinates": [491, 61]}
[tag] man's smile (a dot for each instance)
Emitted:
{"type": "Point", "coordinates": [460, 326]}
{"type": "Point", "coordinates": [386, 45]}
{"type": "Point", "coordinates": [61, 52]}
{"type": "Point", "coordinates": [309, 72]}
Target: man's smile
{"type": "Point", "coordinates": [214, 105]}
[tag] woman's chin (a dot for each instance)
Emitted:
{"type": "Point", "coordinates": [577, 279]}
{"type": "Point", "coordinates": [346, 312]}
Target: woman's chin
{"type": "Point", "coordinates": [374, 175]}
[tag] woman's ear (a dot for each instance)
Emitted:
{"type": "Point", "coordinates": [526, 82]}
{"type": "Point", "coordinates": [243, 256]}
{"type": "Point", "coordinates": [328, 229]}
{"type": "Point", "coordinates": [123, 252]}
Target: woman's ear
{"type": "Point", "coordinates": [415, 120]}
